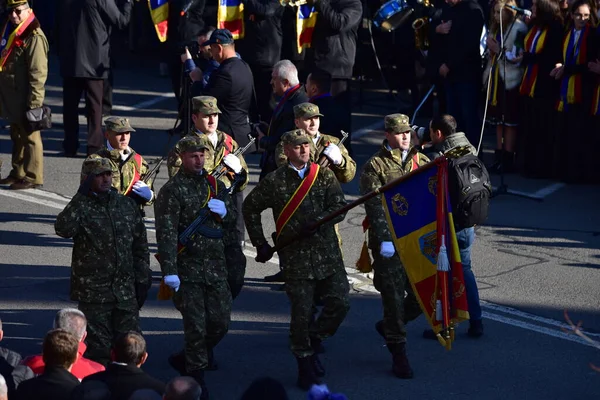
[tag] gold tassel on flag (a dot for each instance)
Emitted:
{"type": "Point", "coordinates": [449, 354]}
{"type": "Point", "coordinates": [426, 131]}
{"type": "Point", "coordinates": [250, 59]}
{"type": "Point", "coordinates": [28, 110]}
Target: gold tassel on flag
{"type": "Point", "coordinates": [164, 292]}
{"type": "Point", "coordinates": [363, 264]}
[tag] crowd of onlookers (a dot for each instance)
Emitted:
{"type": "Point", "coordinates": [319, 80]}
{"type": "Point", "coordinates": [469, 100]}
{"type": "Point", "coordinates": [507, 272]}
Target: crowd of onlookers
{"type": "Point", "coordinates": [62, 372]}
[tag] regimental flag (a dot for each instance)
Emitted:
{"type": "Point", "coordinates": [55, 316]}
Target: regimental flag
{"type": "Point", "coordinates": [305, 25]}
{"type": "Point", "coordinates": [159, 11]}
{"type": "Point", "coordinates": [420, 221]}
{"type": "Point", "coordinates": [230, 16]}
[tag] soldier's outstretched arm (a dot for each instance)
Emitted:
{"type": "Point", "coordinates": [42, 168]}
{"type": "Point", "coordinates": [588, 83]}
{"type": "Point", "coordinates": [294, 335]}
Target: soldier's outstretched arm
{"type": "Point", "coordinates": [334, 198]}
{"type": "Point", "coordinates": [166, 210]}
{"type": "Point", "coordinates": [258, 200]}
{"type": "Point", "coordinates": [369, 181]}
{"type": "Point", "coordinates": [68, 220]}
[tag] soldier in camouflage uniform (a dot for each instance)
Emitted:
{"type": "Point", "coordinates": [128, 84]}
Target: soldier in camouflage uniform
{"type": "Point", "coordinates": [198, 274]}
{"type": "Point", "coordinates": [23, 73]}
{"type": "Point", "coordinates": [313, 264]}
{"type": "Point", "coordinates": [110, 268]}
{"type": "Point", "coordinates": [307, 117]}
{"type": "Point", "coordinates": [206, 118]}
{"type": "Point", "coordinates": [396, 157]}
{"type": "Point", "coordinates": [128, 166]}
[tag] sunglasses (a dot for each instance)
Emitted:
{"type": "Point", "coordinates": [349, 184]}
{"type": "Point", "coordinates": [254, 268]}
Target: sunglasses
{"type": "Point", "coordinates": [18, 11]}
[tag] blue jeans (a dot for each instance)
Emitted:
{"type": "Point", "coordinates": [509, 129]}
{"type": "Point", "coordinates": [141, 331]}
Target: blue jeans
{"type": "Point", "coordinates": [465, 238]}
{"type": "Point", "coordinates": [463, 104]}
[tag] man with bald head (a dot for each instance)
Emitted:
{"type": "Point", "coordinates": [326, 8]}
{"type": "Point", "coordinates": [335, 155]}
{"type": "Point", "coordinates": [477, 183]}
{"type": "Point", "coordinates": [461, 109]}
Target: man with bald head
{"type": "Point", "coordinates": [182, 388]}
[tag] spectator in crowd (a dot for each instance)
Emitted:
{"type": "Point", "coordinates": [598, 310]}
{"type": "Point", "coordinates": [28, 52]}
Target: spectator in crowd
{"type": "Point", "coordinates": [506, 75]}
{"type": "Point", "coordinates": [182, 388]}
{"type": "Point", "coordinates": [575, 91]}
{"type": "Point", "coordinates": [460, 63]}
{"type": "Point", "coordinates": [538, 90]}
{"type": "Point", "coordinates": [231, 84]}
{"type": "Point", "coordinates": [83, 44]}
{"type": "Point", "coordinates": [73, 321]}
{"type": "Point", "coordinates": [56, 383]}
{"type": "Point", "coordinates": [92, 390]}
{"type": "Point", "coordinates": [321, 392]}
{"type": "Point", "coordinates": [333, 49]}
{"type": "Point", "coordinates": [318, 89]}
{"type": "Point", "coordinates": [124, 375]}
{"type": "Point", "coordinates": [145, 394]}
{"type": "Point", "coordinates": [261, 47]}
{"type": "Point", "coordinates": [3, 389]}
{"type": "Point", "coordinates": [286, 86]}
{"type": "Point", "coordinates": [444, 138]}
{"type": "Point", "coordinates": [594, 121]}
{"type": "Point", "coordinates": [11, 370]}
{"type": "Point", "coordinates": [203, 61]}
{"type": "Point", "coordinates": [23, 74]}
{"type": "Point", "coordinates": [265, 389]}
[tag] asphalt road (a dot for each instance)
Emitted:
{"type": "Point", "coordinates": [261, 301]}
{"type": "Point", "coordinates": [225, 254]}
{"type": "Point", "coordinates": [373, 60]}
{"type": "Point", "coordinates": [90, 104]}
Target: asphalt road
{"type": "Point", "coordinates": [533, 260]}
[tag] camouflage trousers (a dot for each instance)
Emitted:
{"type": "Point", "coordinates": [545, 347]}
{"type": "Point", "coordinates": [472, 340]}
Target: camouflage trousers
{"type": "Point", "coordinates": [333, 291]}
{"type": "Point", "coordinates": [391, 281]}
{"type": "Point", "coordinates": [105, 321]}
{"type": "Point", "coordinates": [235, 260]}
{"type": "Point", "coordinates": [206, 312]}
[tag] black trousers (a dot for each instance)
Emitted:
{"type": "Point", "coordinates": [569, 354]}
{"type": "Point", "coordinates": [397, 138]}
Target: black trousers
{"type": "Point", "coordinates": [107, 96]}
{"type": "Point", "coordinates": [340, 90]}
{"type": "Point", "coordinates": [72, 89]}
{"type": "Point", "coordinates": [262, 86]}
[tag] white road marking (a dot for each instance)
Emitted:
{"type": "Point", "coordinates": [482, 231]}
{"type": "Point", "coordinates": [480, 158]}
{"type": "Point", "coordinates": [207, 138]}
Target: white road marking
{"type": "Point", "coordinates": [367, 129]}
{"type": "Point", "coordinates": [19, 196]}
{"type": "Point", "coordinates": [145, 104]}
{"type": "Point", "coordinates": [50, 195]}
{"type": "Point", "coordinates": [548, 190]}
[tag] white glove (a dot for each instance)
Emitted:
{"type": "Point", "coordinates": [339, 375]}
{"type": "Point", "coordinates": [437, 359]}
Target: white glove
{"type": "Point", "coordinates": [333, 153]}
{"type": "Point", "coordinates": [172, 281]}
{"type": "Point", "coordinates": [218, 207]}
{"type": "Point", "coordinates": [233, 163]}
{"type": "Point", "coordinates": [387, 249]}
{"type": "Point", "coordinates": [141, 189]}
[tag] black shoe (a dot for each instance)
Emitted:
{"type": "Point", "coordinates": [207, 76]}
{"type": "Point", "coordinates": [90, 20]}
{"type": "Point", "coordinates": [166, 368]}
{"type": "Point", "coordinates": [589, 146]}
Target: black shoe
{"type": "Point", "coordinates": [475, 329]}
{"type": "Point", "coordinates": [9, 180]}
{"type": "Point", "coordinates": [306, 374]}
{"type": "Point", "coordinates": [177, 362]}
{"type": "Point", "coordinates": [379, 328]}
{"type": "Point", "coordinates": [317, 346]}
{"type": "Point", "coordinates": [278, 277]}
{"type": "Point", "coordinates": [317, 365]}
{"type": "Point", "coordinates": [23, 184]}
{"type": "Point", "coordinates": [212, 363]}
{"type": "Point", "coordinates": [400, 367]}
{"type": "Point", "coordinates": [429, 334]}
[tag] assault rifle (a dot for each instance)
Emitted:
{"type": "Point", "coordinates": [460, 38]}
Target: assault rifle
{"type": "Point", "coordinates": [150, 175]}
{"type": "Point", "coordinates": [222, 169]}
{"type": "Point", "coordinates": [323, 160]}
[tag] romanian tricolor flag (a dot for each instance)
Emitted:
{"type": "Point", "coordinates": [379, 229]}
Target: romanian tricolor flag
{"type": "Point", "coordinates": [595, 111]}
{"type": "Point", "coordinates": [159, 11]}
{"type": "Point", "coordinates": [230, 16]}
{"type": "Point", "coordinates": [305, 26]}
{"type": "Point", "coordinates": [534, 43]}
{"type": "Point", "coordinates": [574, 53]}
{"type": "Point", "coordinates": [420, 221]}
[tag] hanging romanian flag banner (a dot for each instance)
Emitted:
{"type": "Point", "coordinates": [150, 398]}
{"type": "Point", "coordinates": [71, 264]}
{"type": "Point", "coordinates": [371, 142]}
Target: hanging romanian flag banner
{"type": "Point", "coordinates": [159, 11]}
{"type": "Point", "coordinates": [420, 221]}
{"type": "Point", "coordinates": [305, 26]}
{"type": "Point", "coordinates": [230, 16]}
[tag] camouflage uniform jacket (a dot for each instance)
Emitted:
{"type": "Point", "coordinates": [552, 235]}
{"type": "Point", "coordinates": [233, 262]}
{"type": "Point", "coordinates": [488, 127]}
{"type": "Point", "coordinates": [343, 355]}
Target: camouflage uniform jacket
{"type": "Point", "coordinates": [317, 256]}
{"type": "Point", "coordinates": [453, 141]}
{"type": "Point", "coordinates": [23, 77]}
{"type": "Point", "coordinates": [177, 205]}
{"type": "Point", "coordinates": [110, 250]}
{"type": "Point", "coordinates": [124, 171]}
{"type": "Point", "coordinates": [385, 166]}
{"type": "Point", "coordinates": [344, 172]}
{"type": "Point", "coordinates": [211, 161]}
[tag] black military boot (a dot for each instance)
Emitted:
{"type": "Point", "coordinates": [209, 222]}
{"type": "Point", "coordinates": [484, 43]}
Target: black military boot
{"type": "Point", "coordinates": [400, 367]}
{"type": "Point", "coordinates": [316, 362]}
{"type": "Point", "coordinates": [306, 374]}
{"type": "Point", "coordinates": [177, 362]}
{"type": "Point", "coordinates": [278, 277]}
{"type": "Point", "coordinates": [198, 375]}
{"type": "Point", "coordinates": [212, 363]}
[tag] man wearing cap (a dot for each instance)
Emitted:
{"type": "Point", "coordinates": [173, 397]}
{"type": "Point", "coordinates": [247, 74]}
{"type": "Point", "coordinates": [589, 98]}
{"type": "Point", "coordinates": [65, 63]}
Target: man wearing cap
{"type": "Point", "coordinates": [128, 166]}
{"type": "Point", "coordinates": [300, 194]}
{"type": "Point", "coordinates": [23, 73]}
{"type": "Point", "coordinates": [198, 273]}
{"type": "Point", "coordinates": [231, 84]}
{"type": "Point", "coordinates": [396, 157]}
{"type": "Point", "coordinates": [110, 268]}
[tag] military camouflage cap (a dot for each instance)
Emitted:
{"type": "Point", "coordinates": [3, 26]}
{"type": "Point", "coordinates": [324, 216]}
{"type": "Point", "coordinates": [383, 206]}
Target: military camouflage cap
{"type": "Point", "coordinates": [306, 110]}
{"type": "Point", "coordinates": [96, 166]}
{"type": "Point", "coordinates": [15, 3]}
{"type": "Point", "coordinates": [397, 123]}
{"type": "Point", "coordinates": [190, 144]}
{"type": "Point", "coordinates": [295, 137]}
{"type": "Point", "coordinates": [205, 104]}
{"type": "Point", "coordinates": [118, 124]}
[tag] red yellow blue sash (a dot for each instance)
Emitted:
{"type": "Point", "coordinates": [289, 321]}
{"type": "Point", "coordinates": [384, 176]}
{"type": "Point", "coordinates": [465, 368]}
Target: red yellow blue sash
{"type": "Point", "coordinates": [305, 26]}
{"type": "Point", "coordinates": [534, 43]}
{"type": "Point", "coordinates": [10, 39]}
{"type": "Point", "coordinates": [297, 198]}
{"type": "Point", "coordinates": [573, 54]}
{"type": "Point", "coordinates": [279, 105]}
{"type": "Point", "coordinates": [230, 15]}
{"type": "Point", "coordinates": [596, 101]}
{"type": "Point", "coordinates": [159, 12]}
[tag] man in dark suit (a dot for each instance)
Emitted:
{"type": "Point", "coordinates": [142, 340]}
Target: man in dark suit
{"type": "Point", "coordinates": [124, 376]}
{"type": "Point", "coordinates": [318, 89]}
{"type": "Point", "coordinates": [231, 84]}
{"type": "Point", "coordinates": [286, 86]}
{"type": "Point", "coordinates": [56, 383]}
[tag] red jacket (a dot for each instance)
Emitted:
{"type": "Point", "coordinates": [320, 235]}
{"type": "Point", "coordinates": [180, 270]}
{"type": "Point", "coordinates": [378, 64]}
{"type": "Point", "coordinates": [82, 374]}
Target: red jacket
{"type": "Point", "coordinates": [82, 367]}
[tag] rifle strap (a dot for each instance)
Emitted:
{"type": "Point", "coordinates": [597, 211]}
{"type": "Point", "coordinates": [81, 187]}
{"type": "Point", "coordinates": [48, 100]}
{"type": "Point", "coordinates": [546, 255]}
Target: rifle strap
{"type": "Point", "coordinates": [297, 198]}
